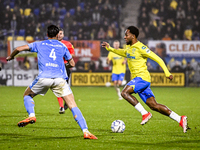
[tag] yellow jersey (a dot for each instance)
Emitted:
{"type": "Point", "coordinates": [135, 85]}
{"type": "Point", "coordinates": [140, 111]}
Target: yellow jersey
{"type": "Point", "coordinates": [118, 66]}
{"type": "Point", "coordinates": [137, 55]}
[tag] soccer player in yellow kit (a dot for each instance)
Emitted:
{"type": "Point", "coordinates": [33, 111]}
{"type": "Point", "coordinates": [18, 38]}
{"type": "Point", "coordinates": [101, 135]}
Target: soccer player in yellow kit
{"type": "Point", "coordinates": [118, 68]}
{"type": "Point", "coordinates": [137, 54]}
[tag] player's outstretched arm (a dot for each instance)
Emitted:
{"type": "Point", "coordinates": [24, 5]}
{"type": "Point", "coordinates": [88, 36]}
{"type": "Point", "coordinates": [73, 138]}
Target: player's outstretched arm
{"type": "Point", "coordinates": [17, 50]}
{"type": "Point", "coordinates": [116, 51]}
{"type": "Point", "coordinates": [157, 59]}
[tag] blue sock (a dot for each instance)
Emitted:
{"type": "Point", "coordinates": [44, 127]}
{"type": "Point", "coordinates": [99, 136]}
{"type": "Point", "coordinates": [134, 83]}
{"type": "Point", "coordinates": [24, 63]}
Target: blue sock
{"type": "Point", "coordinates": [79, 118]}
{"type": "Point", "coordinates": [29, 104]}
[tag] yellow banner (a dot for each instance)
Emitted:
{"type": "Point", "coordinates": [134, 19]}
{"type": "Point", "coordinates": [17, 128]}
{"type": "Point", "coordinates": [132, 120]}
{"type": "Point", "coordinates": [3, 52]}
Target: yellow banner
{"type": "Point", "coordinates": [159, 79]}
{"type": "Point", "coordinates": [91, 79]}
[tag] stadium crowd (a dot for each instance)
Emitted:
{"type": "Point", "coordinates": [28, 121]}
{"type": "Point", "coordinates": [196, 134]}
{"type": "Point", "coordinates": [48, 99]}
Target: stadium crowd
{"type": "Point", "coordinates": [169, 20]}
{"type": "Point", "coordinates": [100, 19]}
{"type": "Point", "coordinates": [82, 19]}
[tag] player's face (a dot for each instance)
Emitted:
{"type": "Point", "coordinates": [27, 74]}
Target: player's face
{"type": "Point", "coordinates": [116, 45]}
{"type": "Point", "coordinates": [128, 37]}
{"type": "Point", "coordinates": [60, 35]}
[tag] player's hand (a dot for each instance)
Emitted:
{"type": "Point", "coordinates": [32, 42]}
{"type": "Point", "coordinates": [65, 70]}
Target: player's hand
{"type": "Point", "coordinates": [105, 45]}
{"type": "Point", "coordinates": [9, 58]}
{"type": "Point", "coordinates": [170, 77]}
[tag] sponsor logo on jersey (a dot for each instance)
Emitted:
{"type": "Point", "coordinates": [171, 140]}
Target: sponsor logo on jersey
{"type": "Point", "coordinates": [129, 56]}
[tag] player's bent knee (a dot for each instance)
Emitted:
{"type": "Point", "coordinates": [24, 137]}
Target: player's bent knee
{"type": "Point", "coordinates": [124, 94]}
{"type": "Point", "coordinates": [154, 107]}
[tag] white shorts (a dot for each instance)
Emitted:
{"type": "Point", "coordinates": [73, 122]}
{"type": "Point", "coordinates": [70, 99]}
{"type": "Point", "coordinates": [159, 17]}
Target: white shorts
{"type": "Point", "coordinates": [58, 86]}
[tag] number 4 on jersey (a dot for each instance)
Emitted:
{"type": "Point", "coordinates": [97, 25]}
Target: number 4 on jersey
{"type": "Point", "coordinates": [52, 54]}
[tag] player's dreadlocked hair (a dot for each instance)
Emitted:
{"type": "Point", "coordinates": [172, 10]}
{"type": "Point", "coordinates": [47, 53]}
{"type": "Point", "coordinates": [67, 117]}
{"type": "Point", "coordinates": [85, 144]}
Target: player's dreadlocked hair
{"type": "Point", "coordinates": [134, 30]}
{"type": "Point", "coordinates": [52, 31]}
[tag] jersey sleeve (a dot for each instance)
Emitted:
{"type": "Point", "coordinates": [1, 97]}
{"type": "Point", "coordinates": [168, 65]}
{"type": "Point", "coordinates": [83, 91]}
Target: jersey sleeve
{"type": "Point", "coordinates": [121, 52]}
{"type": "Point", "coordinates": [71, 49]}
{"type": "Point", "coordinates": [67, 55]}
{"type": "Point", "coordinates": [146, 52]}
{"type": "Point", "coordinates": [109, 56]}
{"type": "Point", "coordinates": [33, 46]}
{"type": "Point", "coordinates": [69, 46]}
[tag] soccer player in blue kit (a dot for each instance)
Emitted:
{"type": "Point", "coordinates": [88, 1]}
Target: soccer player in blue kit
{"type": "Point", "coordinates": [137, 54]}
{"type": "Point", "coordinates": [52, 75]}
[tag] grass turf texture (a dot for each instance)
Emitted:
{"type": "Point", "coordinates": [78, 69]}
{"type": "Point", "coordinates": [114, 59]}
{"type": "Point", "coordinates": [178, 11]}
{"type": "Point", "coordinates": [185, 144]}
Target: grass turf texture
{"type": "Point", "coordinates": [100, 107]}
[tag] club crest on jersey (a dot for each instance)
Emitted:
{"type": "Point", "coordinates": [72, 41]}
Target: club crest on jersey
{"type": "Point", "coordinates": [133, 50]}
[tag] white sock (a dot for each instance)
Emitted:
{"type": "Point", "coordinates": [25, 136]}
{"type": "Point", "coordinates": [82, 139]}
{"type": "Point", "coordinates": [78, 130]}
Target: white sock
{"type": "Point", "coordinates": [175, 116]}
{"type": "Point", "coordinates": [141, 109]}
{"type": "Point", "coordinates": [118, 92]}
{"type": "Point", "coordinates": [31, 115]}
{"type": "Point", "coordinates": [85, 130]}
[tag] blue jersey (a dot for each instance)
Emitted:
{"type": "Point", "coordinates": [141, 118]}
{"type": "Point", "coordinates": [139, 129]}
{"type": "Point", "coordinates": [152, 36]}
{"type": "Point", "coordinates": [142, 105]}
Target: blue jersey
{"type": "Point", "coordinates": [50, 55]}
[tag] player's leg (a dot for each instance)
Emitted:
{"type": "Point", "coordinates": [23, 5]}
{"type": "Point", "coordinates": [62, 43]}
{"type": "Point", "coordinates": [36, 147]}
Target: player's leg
{"type": "Point", "coordinates": [29, 105]}
{"type": "Point", "coordinates": [182, 120]}
{"type": "Point", "coordinates": [69, 100]}
{"type": "Point", "coordinates": [119, 83]}
{"type": "Point", "coordinates": [69, 82]}
{"type": "Point", "coordinates": [68, 97]}
{"type": "Point", "coordinates": [116, 85]}
{"type": "Point", "coordinates": [38, 86]}
{"type": "Point", "coordinates": [127, 92]}
{"type": "Point", "coordinates": [120, 78]}
{"type": "Point", "coordinates": [61, 109]}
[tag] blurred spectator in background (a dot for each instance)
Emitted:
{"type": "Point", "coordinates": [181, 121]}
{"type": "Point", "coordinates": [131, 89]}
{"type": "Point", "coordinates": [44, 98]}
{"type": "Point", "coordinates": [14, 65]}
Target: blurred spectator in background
{"type": "Point", "coordinates": [105, 12]}
{"type": "Point", "coordinates": [173, 4]}
{"type": "Point", "coordinates": [177, 67]}
{"type": "Point", "coordinates": [149, 66]}
{"type": "Point", "coordinates": [92, 66]}
{"type": "Point", "coordinates": [54, 15]}
{"type": "Point", "coordinates": [26, 65]}
{"type": "Point", "coordinates": [21, 22]}
{"type": "Point", "coordinates": [43, 15]}
{"type": "Point", "coordinates": [68, 19]}
{"type": "Point", "coordinates": [100, 66]}
{"type": "Point", "coordinates": [13, 22]}
{"type": "Point", "coordinates": [178, 31]}
{"type": "Point", "coordinates": [176, 37]}
{"type": "Point", "coordinates": [6, 21]}
{"type": "Point", "coordinates": [180, 13]}
{"type": "Point", "coordinates": [196, 27]}
{"type": "Point", "coordinates": [161, 50]}
{"type": "Point", "coordinates": [189, 71]}
{"type": "Point", "coordinates": [30, 29]}
{"type": "Point", "coordinates": [79, 15]}
{"type": "Point", "coordinates": [188, 34]}
{"type": "Point", "coordinates": [171, 12]}
{"type": "Point", "coordinates": [39, 31]}
{"type": "Point", "coordinates": [110, 33]}
{"type": "Point", "coordinates": [142, 35]}
{"type": "Point", "coordinates": [101, 34]}
{"type": "Point", "coordinates": [166, 37]}
{"type": "Point", "coordinates": [96, 15]}
{"type": "Point", "coordinates": [93, 35]}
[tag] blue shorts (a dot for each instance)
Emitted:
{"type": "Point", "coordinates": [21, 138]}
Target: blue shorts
{"type": "Point", "coordinates": [142, 88]}
{"type": "Point", "coordinates": [116, 77]}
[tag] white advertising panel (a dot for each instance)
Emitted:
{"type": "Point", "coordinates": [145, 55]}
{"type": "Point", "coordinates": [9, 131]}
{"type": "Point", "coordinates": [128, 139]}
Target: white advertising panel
{"type": "Point", "coordinates": [177, 48]}
{"type": "Point", "coordinates": [21, 77]}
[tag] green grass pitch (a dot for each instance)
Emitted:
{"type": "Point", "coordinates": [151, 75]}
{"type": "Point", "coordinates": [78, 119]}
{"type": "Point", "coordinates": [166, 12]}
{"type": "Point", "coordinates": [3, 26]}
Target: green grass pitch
{"type": "Point", "coordinates": [100, 107]}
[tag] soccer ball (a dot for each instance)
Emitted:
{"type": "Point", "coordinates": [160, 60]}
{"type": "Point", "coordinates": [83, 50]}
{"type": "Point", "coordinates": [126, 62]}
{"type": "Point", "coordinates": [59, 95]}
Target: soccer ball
{"type": "Point", "coordinates": [118, 126]}
{"type": "Point", "coordinates": [108, 84]}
